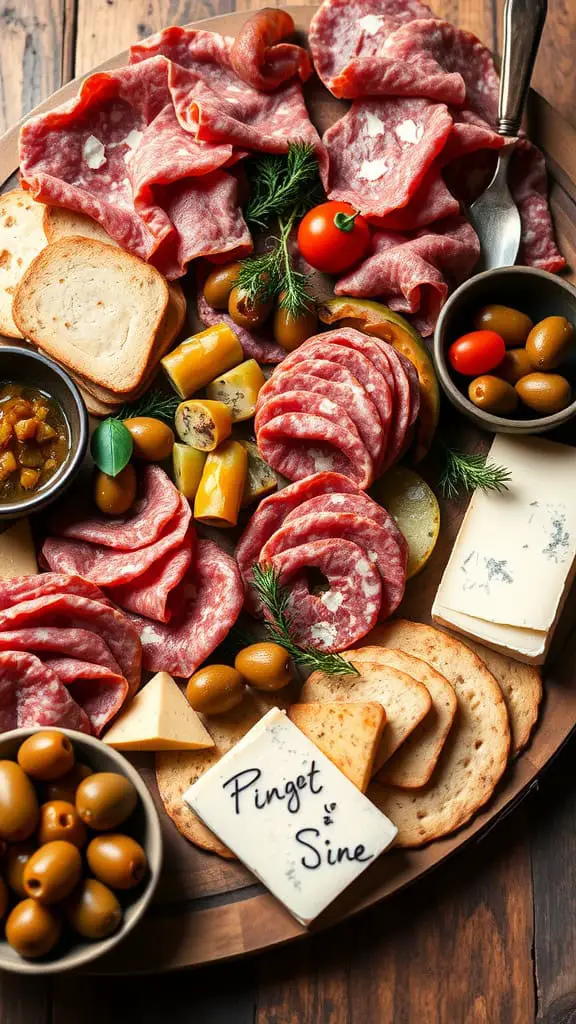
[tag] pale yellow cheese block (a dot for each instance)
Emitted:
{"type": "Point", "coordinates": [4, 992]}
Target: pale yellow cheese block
{"type": "Point", "coordinates": [159, 718]}
{"type": "Point", "coordinates": [17, 552]}
{"type": "Point", "coordinates": [349, 734]}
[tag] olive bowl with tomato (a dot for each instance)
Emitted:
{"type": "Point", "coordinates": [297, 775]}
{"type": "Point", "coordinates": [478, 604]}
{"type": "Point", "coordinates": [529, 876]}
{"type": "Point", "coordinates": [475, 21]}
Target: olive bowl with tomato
{"type": "Point", "coordinates": [466, 353]}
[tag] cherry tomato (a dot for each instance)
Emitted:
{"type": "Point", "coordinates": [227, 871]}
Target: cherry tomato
{"type": "Point", "coordinates": [333, 237]}
{"type": "Point", "coordinates": [477, 353]}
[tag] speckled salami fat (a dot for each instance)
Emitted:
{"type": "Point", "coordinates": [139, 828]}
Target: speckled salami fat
{"type": "Point", "coordinates": [98, 691]}
{"type": "Point", "coordinates": [358, 504]}
{"type": "Point", "coordinates": [377, 542]}
{"type": "Point", "coordinates": [297, 444]}
{"type": "Point", "coordinates": [351, 604]}
{"type": "Point", "coordinates": [47, 642]}
{"type": "Point", "coordinates": [31, 694]}
{"type": "Point", "coordinates": [27, 588]}
{"type": "Point", "coordinates": [212, 604]}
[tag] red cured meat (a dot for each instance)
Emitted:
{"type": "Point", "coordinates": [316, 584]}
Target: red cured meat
{"type": "Point", "coordinates": [431, 201]}
{"type": "Point", "coordinates": [529, 186]}
{"type": "Point", "coordinates": [358, 504]}
{"type": "Point", "coordinates": [47, 642]}
{"type": "Point", "coordinates": [260, 58]}
{"type": "Point", "coordinates": [381, 149]}
{"type": "Point", "coordinates": [209, 613]}
{"type": "Point", "coordinates": [350, 605]}
{"type": "Point", "coordinates": [253, 345]}
{"type": "Point", "coordinates": [297, 444]}
{"type": "Point", "coordinates": [31, 694]}
{"type": "Point", "coordinates": [27, 588]}
{"type": "Point", "coordinates": [157, 505]}
{"type": "Point", "coordinates": [100, 692]}
{"type": "Point", "coordinates": [271, 513]}
{"type": "Point", "coordinates": [72, 611]}
{"type": "Point", "coordinates": [380, 546]}
{"type": "Point", "coordinates": [469, 134]}
{"type": "Point", "coordinates": [110, 568]}
{"type": "Point", "coordinates": [410, 273]}
{"type": "Point", "coordinates": [154, 594]}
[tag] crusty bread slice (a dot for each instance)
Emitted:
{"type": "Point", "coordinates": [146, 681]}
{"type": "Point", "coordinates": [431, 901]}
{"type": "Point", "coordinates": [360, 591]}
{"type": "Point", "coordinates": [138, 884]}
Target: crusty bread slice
{"type": "Point", "coordinates": [60, 223]}
{"type": "Point", "coordinates": [21, 239]}
{"type": "Point", "coordinates": [94, 308]}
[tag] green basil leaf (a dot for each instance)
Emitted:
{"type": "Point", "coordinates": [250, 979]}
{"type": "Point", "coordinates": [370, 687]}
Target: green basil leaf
{"type": "Point", "coordinates": [111, 446]}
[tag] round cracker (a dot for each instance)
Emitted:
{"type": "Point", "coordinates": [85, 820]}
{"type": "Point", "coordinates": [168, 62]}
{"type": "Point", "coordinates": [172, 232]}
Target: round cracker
{"type": "Point", "coordinates": [521, 687]}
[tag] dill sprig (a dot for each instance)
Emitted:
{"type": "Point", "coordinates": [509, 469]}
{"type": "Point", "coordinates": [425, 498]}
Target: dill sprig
{"type": "Point", "coordinates": [465, 471]}
{"type": "Point", "coordinates": [282, 184]}
{"type": "Point", "coordinates": [281, 631]}
{"type": "Point", "coordinates": [273, 273]}
{"type": "Point", "coordinates": [158, 404]}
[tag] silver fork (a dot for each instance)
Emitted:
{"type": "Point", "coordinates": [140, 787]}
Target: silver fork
{"type": "Point", "coordinates": [494, 215]}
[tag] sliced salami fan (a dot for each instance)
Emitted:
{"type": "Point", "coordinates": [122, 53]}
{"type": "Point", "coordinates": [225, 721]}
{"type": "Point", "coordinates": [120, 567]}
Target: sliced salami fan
{"type": "Point", "coordinates": [32, 695]}
{"type": "Point", "coordinates": [358, 504]}
{"type": "Point", "coordinates": [100, 692]}
{"type": "Point", "coordinates": [298, 444]}
{"type": "Point", "coordinates": [47, 642]}
{"type": "Point", "coordinates": [350, 604]}
{"type": "Point", "coordinates": [154, 594]}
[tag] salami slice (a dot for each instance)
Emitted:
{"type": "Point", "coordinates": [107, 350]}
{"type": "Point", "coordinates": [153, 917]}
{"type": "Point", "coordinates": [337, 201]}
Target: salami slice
{"type": "Point", "coordinates": [209, 613]}
{"type": "Point", "coordinates": [157, 505]}
{"type": "Point", "coordinates": [350, 605]}
{"type": "Point", "coordinates": [154, 594]}
{"type": "Point", "coordinates": [297, 444]}
{"type": "Point", "coordinates": [27, 588]}
{"type": "Point", "coordinates": [529, 185]}
{"type": "Point", "coordinates": [254, 346]}
{"type": "Point", "coordinates": [357, 504]}
{"type": "Point", "coordinates": [379, 544]}
{"type": "Point", "coordinates": [431, 201]}
{"type": "Point", "coordinates": [31, 694]}
{"type": "Point", "coordinates": [47, 642]}
{"type": "Point", "coordinates": [259, 56]}
{"type": "Point", "coordinates": [100, 692]}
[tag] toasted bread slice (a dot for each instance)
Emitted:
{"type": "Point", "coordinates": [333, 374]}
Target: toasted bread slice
{"type": "Point", "coordinates": [60, 223]}
{"type": "Point", "coordinates": [94, 308]}
{"type": "Point", "coordinates": [21, 239]}
{"type": "Point", "coordinates": [348, 734]}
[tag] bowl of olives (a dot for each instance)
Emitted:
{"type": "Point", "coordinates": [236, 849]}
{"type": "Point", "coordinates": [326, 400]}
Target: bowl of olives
{"type": "Point", "coordinates": [80, 849]}
{"type": "Point", "coordinates": [505, 350]}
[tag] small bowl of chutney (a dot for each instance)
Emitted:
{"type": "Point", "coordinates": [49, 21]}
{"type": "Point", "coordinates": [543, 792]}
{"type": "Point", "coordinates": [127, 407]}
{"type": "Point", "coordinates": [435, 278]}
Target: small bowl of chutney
{"type": "Point", "coordinates": [43, 431]}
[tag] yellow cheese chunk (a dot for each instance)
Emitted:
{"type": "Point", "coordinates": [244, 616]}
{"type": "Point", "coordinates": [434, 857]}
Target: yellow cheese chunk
{"type": "Point", "coordinates": [238, 389]}
{"type": "Point", "coordinates": [17, 553]}
{"type": "Point", "coordinates": [158, 718]}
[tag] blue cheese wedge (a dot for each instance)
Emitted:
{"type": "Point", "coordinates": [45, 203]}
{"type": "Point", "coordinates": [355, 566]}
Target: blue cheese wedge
{"type": "Point", "coordinates": [291, 816]}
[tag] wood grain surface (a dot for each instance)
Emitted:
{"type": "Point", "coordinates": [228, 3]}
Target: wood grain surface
{"type": "Point", "coordinates": [489, 938]}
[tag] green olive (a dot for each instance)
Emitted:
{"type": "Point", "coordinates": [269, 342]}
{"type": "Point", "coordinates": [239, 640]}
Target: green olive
{"type": "Point", "coordinates": [60, 820]}
{"type": "Point", "coordinates": [545, 393]}
{"type": "Point", "coordinates": [104, 800]}
{"type": "Point", "coordinates": [290, 331]}
{"type": "Point", "coordinates": [93, 910]}
{"type": "Point", "coordinates": [52, 871]}
{"type": "Point", "coordinates": [512, 325]}
{"type": "Point", "coordinates": [266, 666]}
{"type": "Point", "coordinates": [16, 860]}
{"type": "Point", "coordinates": [219, 284]}
{"type": "Point", "coordinates": [18, 803]}
{"type": "Point", "coordinates": [493, 395]}
{"type": "Point", "coordinates": [548, 342]}
{"type": "Point", "coordinates": [32, 929]}
{"type": "Point", "coordinates": [114, 495]}
{"type": "Point", "coordinates": [117, 860]}
{"type": "Point", "coordinates": [46, 755]}
{"type": "Point", "coordinates": [65, 787]}
{"type": "Point", "coordinates": [515, 365]}
{"type": "Point", "coordinates": [245, 313]}
{"type": "Point", "coordinates": [153, 439]}
{"type": "Point", "coordinates": [215, 689]}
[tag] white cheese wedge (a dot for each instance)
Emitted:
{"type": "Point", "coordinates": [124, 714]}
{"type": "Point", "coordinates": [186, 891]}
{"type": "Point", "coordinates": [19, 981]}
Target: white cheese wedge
{"type": "Point", "coordinates": [291, 816]}
{"type": "Point", "coordinates": [158, 718]}
{"type": "Point", "coordinates": [17, 553]}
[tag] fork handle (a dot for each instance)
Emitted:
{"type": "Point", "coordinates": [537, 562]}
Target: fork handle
{"type": "Point", "coordinates": [523, 24]}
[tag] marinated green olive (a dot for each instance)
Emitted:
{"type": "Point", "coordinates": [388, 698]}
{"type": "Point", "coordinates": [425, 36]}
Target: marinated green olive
{"type": "Point", "coordinates": [265, 666]}
{"type": "Point", "coordinates": [290, 332]}
{"type": "Point", "coordinates": [46, 755]}
{"type": "Point", "coordinates": [65, 787]}
{"type": "Point", "coordinates": [219, 284]}
{"type": "Point", "coordinates": [18, 803]}
{"type": "Point", "coordinates": [215, 689]}
{"type": "Point", "coordinates": [104, 800]}
{"type": "Point", "coordinates": [493, 395]}
{"type": "Point", "coordinates": [4, 898]}
{"type": "Point", "coordinates": [32, 929]}
{"type": "Point", "coordinates": [60, 820]}
{"type": "Point", "coordinates": [93, 910]}
{"type": "Point", "coordinates": [153, 439]}
{"type": "Point", "coordinates": [515, 365]}
{"type": "Point", "coordinates": [545, 393]}
{"type": "Point", "coordinates": [16, 860]}
{"type": "Point", "coordinates": [549, 342]}
{"type": "Point", "coordinates": [114, 495]}
{"type": "Point", "coordinates": [246, 313]}
{"type": "Point", "coordinates": [52, 871]}
{"type": "Point", "coordinates": [512, 325]}
{"type": "Point", "coordinates": [117, 860]}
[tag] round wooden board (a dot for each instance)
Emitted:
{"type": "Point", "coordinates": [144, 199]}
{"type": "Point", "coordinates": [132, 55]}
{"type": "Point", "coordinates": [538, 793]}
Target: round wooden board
{"type": "Point", "coordinates": [208, 909]}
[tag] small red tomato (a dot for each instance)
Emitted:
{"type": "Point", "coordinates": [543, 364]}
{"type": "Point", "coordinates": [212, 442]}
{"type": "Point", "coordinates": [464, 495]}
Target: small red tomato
{"type": "Point", "coordinates": [333, 237]}
{"type": "Point", "coordinates": [477, 353]}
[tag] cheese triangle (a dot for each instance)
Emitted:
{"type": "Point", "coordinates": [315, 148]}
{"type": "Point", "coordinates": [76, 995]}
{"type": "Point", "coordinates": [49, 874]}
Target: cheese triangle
{"type": "Point", "coordinates": [158, 718]}
{"type": "Point", "coordinates": [347, 733]}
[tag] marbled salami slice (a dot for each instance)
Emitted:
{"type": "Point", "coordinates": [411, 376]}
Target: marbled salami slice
{"type": "Point", "coordinates": [155, 594]}
{"type": "Point", "coordinates": [254, 346]}
{"type": "Point", "coordinates": [100, 692]}
{"type": "Point", "coordinates": [47, 642]}
{"type": "Point", "coordinates": [31, 694]}
{"type": "Point", "coordinates": [431, 201]}
{"type": "Point", "coordinates": [529, 185]}
{"type": "Point", "coordinates": [212, 606]}
{"type": "Point", "coordinates": [380, 546]}
{"type": "Point", "coordinates": [349, 607]}
{"type": "Point", "coordinates": [297, 444]}
{"type": "Point", "coordinates": [259, 56]}
{"type": "Point", "coordinates": [357, 504]}
{"type": "Point", "coordinates": [46, 584]}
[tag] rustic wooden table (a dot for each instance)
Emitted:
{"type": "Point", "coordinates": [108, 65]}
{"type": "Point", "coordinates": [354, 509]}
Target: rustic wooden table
{"type": "Point", "coordinates": [490, 938]}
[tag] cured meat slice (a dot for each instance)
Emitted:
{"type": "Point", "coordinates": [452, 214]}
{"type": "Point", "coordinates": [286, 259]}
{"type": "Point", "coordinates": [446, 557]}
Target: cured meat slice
{"type": "Point", "coordinates": [32, 695]}
{"type": "Point", "coordinates": [379, 544]}
{"type": "Point", "coordinates": [47, 642]}
{"type": "Point", "coordinates": [214, 604]}
{"type": "Point", "coordinates": [100, 692]}
{"type": "Point", "coordinates": [253, 345]}
{"type": "Point", "coordinates": [348, 607]}
{"type": "Point", "coordinates": [469, 134]}
{"type": "Point", "coordinates": [431, 201]}
{"type": "Point", "coordinates": [110, 568]}
{"type": "Point", "coordinates": [26, 588]}
{"type": "Point", "coordinates": [411, 273]}
{"type": "Point", "coordinates": [270, 515]}
{"type": "Point", "coordinates": [260, 58]}
{"type": "Point", "coordinates": [529, 185]}
{"type": "Point", "coordinates": [154, 594]}
{"type": "Point", "coordinates": [297, 444]}
{"type": "Point", "coordinates": [380, 151]}
{"type": "Point", "coordinates": [152, 511]}
{"type": "Point", "coordinates": [358, 504]}
{"type": "Point", "coordinates": [72, 611]}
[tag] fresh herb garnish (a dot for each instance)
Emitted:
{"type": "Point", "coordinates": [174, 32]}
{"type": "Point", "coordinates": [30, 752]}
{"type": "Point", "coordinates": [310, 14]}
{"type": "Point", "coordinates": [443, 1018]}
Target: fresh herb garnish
{"type": "Point", "coordinates": [273, 273]}
{"type": "Point", "coordinates": [465, 471]}
{"type": "Point", "coordinates": [158, 404]}
{"type": "Point", "coordinates": [111, 447]}
{"type": "Point", "coordinates": [283, 184]}
{"type": "Point", "coordinates": [281, 631]}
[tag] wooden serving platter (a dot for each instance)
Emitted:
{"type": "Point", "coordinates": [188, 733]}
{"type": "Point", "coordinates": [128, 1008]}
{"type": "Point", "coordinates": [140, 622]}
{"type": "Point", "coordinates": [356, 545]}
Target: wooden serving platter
{"type": "Point", "coordinates": [207, 909]}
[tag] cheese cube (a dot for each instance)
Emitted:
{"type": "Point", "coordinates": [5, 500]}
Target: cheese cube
{"type": "Point", "coordinates": [158, 718]}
